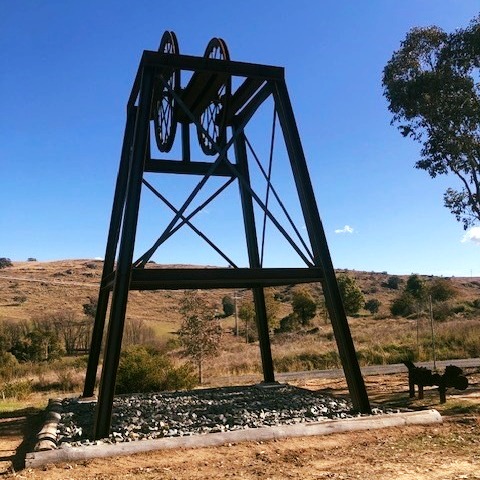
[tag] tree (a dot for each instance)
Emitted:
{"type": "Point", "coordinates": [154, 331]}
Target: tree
{"type": "Point", "coordinates": [441, 290]}
{"type": "Point", "coordinates": [5, 262]}
{"type": "Point", "coordinates": [393, 282]}
{"type": "Point", "coordinates": [200, 332]}
{"type": "Point", "coordinates": [352, 296]}
{"type": "Point", "coordinates": [404, 305]}
{"type": "Point", "coordinates": [137, 332]}
{"type": "Point", "coordinates": [246, 312]}
{"type": "Point", "coordinates": [272, 308]}
{"type": "Point", "coordinates": [372, 305]}
{"type": "Point", "coordinates": [416, 287]}
{"type": "Point", "coordinates": [40, 341]}
{"type": "Point", "coordinates": [228, 305]}
{"type": "Point", "coordinates": [304, 306]}
{"type": "Point", "coordinates": [431, 84]}
{"type": "Point", "coordinates": [74, 331]}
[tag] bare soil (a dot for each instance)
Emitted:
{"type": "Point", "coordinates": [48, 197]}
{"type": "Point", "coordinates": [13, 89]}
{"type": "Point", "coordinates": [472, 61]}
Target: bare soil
{"type": "Point", "coordinates": [447, 451]}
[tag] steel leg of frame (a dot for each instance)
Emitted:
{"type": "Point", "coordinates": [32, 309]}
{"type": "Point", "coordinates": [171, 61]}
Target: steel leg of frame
{"type": "Point", "coordinates": [125, 257]}
{"type": "Point", "coordinates": [109, 261]}
{"type": "Point", "coordinates": [254, 259]}
{"type": "Point", "coordinates": [320, 249]}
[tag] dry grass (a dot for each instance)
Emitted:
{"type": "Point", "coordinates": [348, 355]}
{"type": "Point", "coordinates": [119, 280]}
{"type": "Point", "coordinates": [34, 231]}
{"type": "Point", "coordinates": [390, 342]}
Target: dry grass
{"type": "Point", "coordinates": [52, 286]}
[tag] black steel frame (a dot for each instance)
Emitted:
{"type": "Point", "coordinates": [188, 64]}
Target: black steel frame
{"type": "Point", "coordinates": [121, 273]}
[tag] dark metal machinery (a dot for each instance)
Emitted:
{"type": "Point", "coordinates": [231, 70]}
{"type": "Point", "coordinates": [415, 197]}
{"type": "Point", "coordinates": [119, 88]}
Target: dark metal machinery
{"type": "Point", "coordinates": [220, 113]}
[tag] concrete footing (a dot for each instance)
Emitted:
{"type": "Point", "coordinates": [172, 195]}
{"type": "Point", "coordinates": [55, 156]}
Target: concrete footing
{"type": "Point", "coordinates": [75, 454]}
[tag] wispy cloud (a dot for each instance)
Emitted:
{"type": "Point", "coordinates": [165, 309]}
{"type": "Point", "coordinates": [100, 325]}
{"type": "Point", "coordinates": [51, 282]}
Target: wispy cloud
{"type": "Point", "coordinates": [472, 235]}
{"type": "Point", "coordinates": [345, 229]}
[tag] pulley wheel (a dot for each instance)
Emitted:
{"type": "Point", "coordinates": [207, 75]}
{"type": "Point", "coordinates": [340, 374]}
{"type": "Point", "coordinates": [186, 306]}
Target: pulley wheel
{"type": "Point", "coordinates": [213, 118]}
{"type": "Point", "coordinates": [164, 117]}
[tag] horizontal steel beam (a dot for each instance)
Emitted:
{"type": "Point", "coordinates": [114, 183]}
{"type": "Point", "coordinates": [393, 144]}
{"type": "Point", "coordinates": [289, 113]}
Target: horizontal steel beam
{"type": "Point", "coordinates": [202, 64]}
{"type": "Point", "coordinates": [211, 65]}
{"type": "Point", "coordinates": [192, 168]}
{"type": "Point", "coordinates": [210, 278]}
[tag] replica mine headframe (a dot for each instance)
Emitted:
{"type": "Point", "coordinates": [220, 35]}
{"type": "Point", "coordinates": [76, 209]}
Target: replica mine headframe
{"type": "Point", "coordinates": [220, 99]}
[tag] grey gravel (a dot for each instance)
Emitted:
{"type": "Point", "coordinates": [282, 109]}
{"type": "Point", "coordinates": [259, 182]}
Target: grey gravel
{"type": "Point", "coordinates": [174, 414]}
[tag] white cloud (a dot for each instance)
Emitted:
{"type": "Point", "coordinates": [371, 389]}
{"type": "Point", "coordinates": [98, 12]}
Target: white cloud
{"type": "Point", "coordinates": [345, 229]}
{"type": "Point", "coordinates": [472, 235]}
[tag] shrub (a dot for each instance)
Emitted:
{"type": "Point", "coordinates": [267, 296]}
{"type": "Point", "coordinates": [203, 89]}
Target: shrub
{"type": "Point", "coordinates": [68, 381]}
{"type": "Point", "coordinates": [441, 311]}
{"type": "Point", "coordinates": [19, 299]}
{"type": "Point", "coordinates": [5, 262]}
{"type": "Point", "coordinates": [372, 305]}
{"type": "Point", "coordinates": [20, 389]}
{"type": "Point", "coordinates": [404, 305]}
{"type": "Point", "coordinates": [441, 290]}
{"type": "Point", "coordinates": [31, 259]}
{"type": "Point", "coordinates": [393, 282]}
{"type": "Point", "coordinates": [228, 305]}
{"type": "Point", "coordinates": [476, 303]}
{"type": "Point", "coordinates": [288, 324]}
{"type": "Point", "coordinates": [148, 370]}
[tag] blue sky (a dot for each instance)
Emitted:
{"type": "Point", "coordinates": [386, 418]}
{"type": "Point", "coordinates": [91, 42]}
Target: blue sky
{"type": "Point", "coordinates": [67, 72]}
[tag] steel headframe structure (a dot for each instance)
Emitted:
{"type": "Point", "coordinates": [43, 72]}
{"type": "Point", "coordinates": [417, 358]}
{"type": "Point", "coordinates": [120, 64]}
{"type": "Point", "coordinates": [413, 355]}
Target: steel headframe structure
{"type": "Point", "coordinates": [220, 116]}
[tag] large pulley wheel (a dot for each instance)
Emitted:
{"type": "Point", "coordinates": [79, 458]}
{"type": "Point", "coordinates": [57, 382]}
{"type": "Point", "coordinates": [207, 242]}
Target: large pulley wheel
{"type": "Point", "coordinates": [164, 117]}
{"type": "Point", "coordinates": [214, 118]}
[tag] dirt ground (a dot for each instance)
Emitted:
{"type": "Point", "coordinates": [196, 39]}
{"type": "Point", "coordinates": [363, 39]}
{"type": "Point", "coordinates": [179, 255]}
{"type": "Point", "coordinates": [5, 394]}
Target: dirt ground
{"type": "Point", "coordinates": [447, 451]}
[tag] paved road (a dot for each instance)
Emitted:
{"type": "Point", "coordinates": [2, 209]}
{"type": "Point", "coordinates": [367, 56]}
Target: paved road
{"type": "Point", "coordinates": [368, 370]}
{"type": "Point", "coordinates": [378, 369]}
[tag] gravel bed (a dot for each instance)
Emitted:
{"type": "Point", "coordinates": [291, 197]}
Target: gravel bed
{"type": "Point", "coordinates": [174, 414]}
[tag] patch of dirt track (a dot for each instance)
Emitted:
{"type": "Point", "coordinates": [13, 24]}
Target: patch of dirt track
{"type": "Point", "coordinates": [447, 451]}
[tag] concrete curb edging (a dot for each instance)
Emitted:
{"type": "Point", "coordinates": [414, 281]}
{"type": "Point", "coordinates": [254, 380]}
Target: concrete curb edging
{"type": "Point", "coordinates": [67, 454]}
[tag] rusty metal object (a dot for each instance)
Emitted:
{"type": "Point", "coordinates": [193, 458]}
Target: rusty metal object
{"type": "Point", "coordinates": [423, 377]}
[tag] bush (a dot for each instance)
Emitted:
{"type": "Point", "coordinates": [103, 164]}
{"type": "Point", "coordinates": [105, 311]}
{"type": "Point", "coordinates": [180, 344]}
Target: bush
{"type": "Point", "coordinates": [288, 324]}
{"type": "Point", "coordinates": [5, 262]}
{"type": "Point", "coordinates": [8, 366]}
{"type": "Point", "coordinates": [476, 303]}
{"type": "Point", "coordinates": [372, 305]}
{"type": "Point", "coordinates": [441, 311]}
{"type": "Point", "coordinates": [228, 305]}
{"type": "Point", "coordinates": [20, 390]}
{"type": "Point", "coordinates": [19, 299]}
{"type": "Point", "coordinates": [404, 305]}
{"type": "Point", "coordinates": [441, 290]}
{"type": "Point", "coordinates": [144, 369]}
{"type": "Point", "coordinates": [393, 282]}
{"type": "Point", "coordinates": [68, 381]}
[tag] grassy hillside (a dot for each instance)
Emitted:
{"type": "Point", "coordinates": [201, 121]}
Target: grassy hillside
{"type": "Point", "coordinates": [32, 288]}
